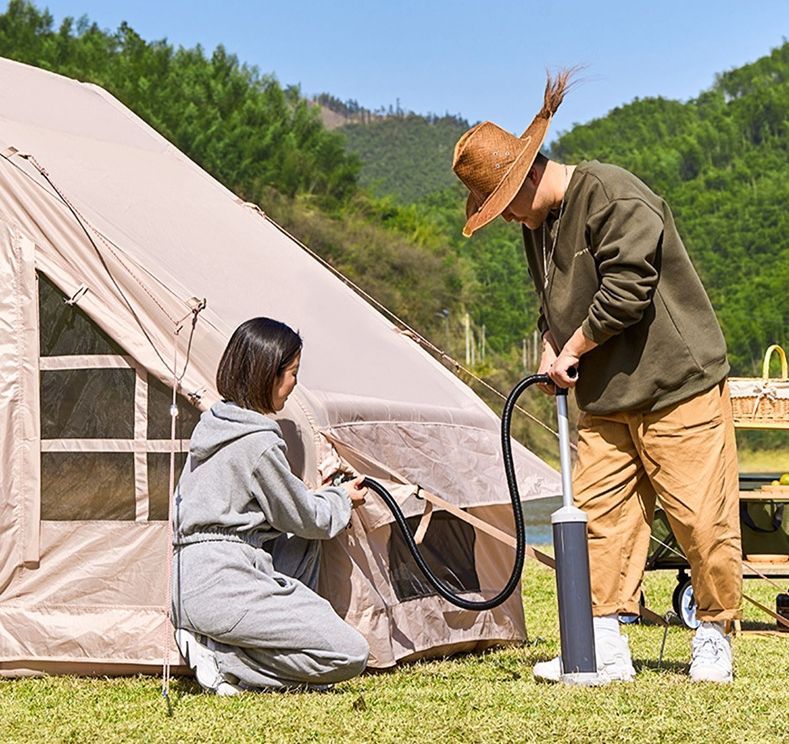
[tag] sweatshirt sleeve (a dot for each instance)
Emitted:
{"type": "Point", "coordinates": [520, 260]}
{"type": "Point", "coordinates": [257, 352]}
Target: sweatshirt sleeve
{"type": "Point", "coordinates": [542, 324]}
{"type": "Point", "coordinates": [290, 506]}
{"type": "Point", "coordinates": [626, 235]}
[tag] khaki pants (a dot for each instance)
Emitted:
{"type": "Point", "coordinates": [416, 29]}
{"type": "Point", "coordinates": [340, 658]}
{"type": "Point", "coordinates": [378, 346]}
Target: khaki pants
{"type": "Point", "coordinates": [685, 456]}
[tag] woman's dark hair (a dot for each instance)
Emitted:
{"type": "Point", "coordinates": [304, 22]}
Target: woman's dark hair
{"type": "Point", "coordinates": [258, 352]}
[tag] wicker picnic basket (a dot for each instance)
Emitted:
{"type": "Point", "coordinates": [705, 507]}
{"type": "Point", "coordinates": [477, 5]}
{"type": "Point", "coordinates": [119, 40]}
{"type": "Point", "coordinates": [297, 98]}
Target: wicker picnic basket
{"type": "Point", "coordinates": [762, 402]}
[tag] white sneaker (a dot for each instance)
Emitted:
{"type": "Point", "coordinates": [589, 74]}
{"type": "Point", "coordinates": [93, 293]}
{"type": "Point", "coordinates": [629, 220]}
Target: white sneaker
{"type": "Point", "coordinates": [614, 663]}
{"type": "Point", "coordinates": [548, 671]}
{"type": "Point", "coordinates": [202, 661]}
{"type": "Point", "coordinates": [711, 657]}
{"type": "Point", "coordinates": [225, 689]}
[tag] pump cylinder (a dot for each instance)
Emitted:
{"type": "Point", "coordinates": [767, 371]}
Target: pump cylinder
{"type": "Point", "coordinates": [573, 587]}
{"type": "Point", "coordinates": [574, 593]}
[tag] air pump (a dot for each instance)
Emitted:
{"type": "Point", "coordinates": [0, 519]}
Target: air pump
{"type": "Point", "coordinates": [570, 546]}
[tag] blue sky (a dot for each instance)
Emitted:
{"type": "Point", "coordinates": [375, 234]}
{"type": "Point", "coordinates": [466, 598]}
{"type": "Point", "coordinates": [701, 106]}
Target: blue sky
{"type": "Point", "coordinates": [483, 59]}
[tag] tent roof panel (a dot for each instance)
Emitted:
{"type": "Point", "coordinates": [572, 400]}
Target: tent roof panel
{"type": "Point", "coordinates": [192, 228]}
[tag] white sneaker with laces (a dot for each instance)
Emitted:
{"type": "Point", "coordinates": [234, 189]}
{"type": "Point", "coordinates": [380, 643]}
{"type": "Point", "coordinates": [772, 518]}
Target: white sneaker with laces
{"type": "Point", "coordinates": [711, 657]}
{"type": "Point", "coordinates": [202, 662]}
{"type": "Point", "coordinates": [614, 663]}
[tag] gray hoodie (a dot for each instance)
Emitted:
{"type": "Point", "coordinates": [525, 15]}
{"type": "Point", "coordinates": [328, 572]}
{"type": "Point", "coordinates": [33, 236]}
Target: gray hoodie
{"type": "Point", "coordinates": [237, 485]}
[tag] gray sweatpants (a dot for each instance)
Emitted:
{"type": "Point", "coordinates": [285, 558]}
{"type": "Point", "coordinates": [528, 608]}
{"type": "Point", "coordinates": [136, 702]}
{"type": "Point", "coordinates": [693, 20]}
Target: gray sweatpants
{"type": "Point", "coordinates": [258, 607]}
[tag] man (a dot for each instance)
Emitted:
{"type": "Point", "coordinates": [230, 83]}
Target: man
{"type": "Point", "coordinates": [621, 303]}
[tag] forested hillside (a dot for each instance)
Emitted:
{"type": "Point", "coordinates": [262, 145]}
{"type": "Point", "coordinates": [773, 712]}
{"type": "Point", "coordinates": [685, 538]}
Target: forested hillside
{"type": "Point", "coordinates": [240, 125]}
{"type": "Point", "coordinates": [405, 155]}
{"type": "Point", "coordinates": [381, 205]}
{"type": "Point", "coordinates": [721, 161]}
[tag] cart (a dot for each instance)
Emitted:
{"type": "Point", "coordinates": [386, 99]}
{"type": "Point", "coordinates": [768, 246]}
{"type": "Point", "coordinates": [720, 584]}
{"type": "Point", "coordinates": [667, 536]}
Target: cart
{"type": "Point", "coordinates": [757, 403]}
{"type": "Point", "coordinates": [764, 521]}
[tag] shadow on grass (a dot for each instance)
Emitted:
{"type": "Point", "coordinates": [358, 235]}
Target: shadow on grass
{"type": "Point", "coordinates": [188, 687]}
{"type": "Point", "coordinates": [674, 667]}
{"type": "Point", "coordinates": [462, 656]}
{"type": "Point", "coordinates": [184, 686]}
{"type": "Point", "coordinates": [753, 625]}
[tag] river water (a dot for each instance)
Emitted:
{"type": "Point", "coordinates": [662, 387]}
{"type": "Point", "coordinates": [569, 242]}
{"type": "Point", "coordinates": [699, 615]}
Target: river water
{"type": "Point", "coordinates": [537, 516]}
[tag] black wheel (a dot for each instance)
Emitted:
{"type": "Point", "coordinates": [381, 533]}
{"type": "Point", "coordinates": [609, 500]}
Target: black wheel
{"type": "Point", "coordinates": [684, 602]}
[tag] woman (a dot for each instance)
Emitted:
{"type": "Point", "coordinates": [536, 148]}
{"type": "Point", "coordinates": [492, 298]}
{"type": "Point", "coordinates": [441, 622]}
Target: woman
{"type": "Point", "coordinates": [247, 532]}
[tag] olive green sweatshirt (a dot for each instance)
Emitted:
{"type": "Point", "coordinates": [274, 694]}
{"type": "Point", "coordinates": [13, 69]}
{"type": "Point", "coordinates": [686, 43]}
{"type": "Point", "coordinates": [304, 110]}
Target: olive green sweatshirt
{"type": "Point", "coordinates": [618, 269]}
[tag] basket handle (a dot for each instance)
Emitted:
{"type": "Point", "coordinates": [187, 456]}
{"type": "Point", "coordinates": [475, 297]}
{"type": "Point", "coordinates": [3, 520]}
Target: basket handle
{"type": "Point", "coordinates": [781, 356]}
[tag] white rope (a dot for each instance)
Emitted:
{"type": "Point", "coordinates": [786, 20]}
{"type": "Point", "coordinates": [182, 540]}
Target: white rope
{"type": "Point", "coordinates": [168, 619]}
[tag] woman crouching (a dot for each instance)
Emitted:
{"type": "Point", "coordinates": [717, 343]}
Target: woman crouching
{"type": "Point", "coordinates": [247, 532]}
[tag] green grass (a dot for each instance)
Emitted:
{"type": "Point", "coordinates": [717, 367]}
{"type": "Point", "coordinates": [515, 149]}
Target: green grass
{"type": "Point", "coordinates": [763, 461]}
{"type": "Point", "coordinates": [476, 698]}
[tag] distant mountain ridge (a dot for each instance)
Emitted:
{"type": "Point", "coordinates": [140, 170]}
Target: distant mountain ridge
{"type": "Point", "coordinates": [404, 155]}
{"type": "Point", "coordinates": [407, 157]}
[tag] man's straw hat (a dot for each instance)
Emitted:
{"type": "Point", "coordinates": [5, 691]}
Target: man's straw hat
{"type": "Point", "coordinates": [493, 163]}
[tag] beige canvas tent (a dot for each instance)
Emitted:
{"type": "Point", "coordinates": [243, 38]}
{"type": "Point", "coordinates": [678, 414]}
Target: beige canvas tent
{"type": "Point", "coordinates": [107, 234]}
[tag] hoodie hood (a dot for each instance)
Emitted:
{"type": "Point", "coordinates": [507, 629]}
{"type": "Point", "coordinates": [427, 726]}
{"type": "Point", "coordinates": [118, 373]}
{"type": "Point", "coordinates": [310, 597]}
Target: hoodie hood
{"type": "Point", "coordinates": [225, 423]}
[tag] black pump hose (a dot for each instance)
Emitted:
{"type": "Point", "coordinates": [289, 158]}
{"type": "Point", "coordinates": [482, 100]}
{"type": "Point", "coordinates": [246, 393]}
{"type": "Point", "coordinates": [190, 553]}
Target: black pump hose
{"type": "Point", "coordinates": [517, 510]}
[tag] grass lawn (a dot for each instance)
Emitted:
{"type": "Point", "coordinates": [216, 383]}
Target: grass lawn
{"type": "Point", "coordinates": [763, 461]}
{"type": "Point", "coordinates": [486, 698]}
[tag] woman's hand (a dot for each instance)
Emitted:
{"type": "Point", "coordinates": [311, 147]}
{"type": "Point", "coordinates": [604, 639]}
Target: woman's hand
{"type": "Point", "coordinates": [356, 492]}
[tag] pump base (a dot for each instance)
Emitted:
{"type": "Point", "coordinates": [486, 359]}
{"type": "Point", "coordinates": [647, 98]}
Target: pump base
{"type": "Point", "coordinates": [583, 679]}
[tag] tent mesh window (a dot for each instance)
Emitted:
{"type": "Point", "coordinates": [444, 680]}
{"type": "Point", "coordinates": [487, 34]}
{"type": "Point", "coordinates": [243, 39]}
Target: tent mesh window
{"type": "Point", "coordinates": [105, 423]}
{"type": "Point", "coordinates": [87, 485]}
{"type": "Point", "coordinates": [448, 549]}
{"type": "Point", "coordinates": [87, 404]}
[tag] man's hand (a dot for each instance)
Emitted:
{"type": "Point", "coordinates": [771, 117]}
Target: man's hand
{"type": "Point", "coordinates": [546, 362]}
{"type": "Point", "coordinates": [356, 492]}
{"type": "Point", "coordinates": [559, 371]}
{"type": "Point", "coordinates": [570, 356]}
